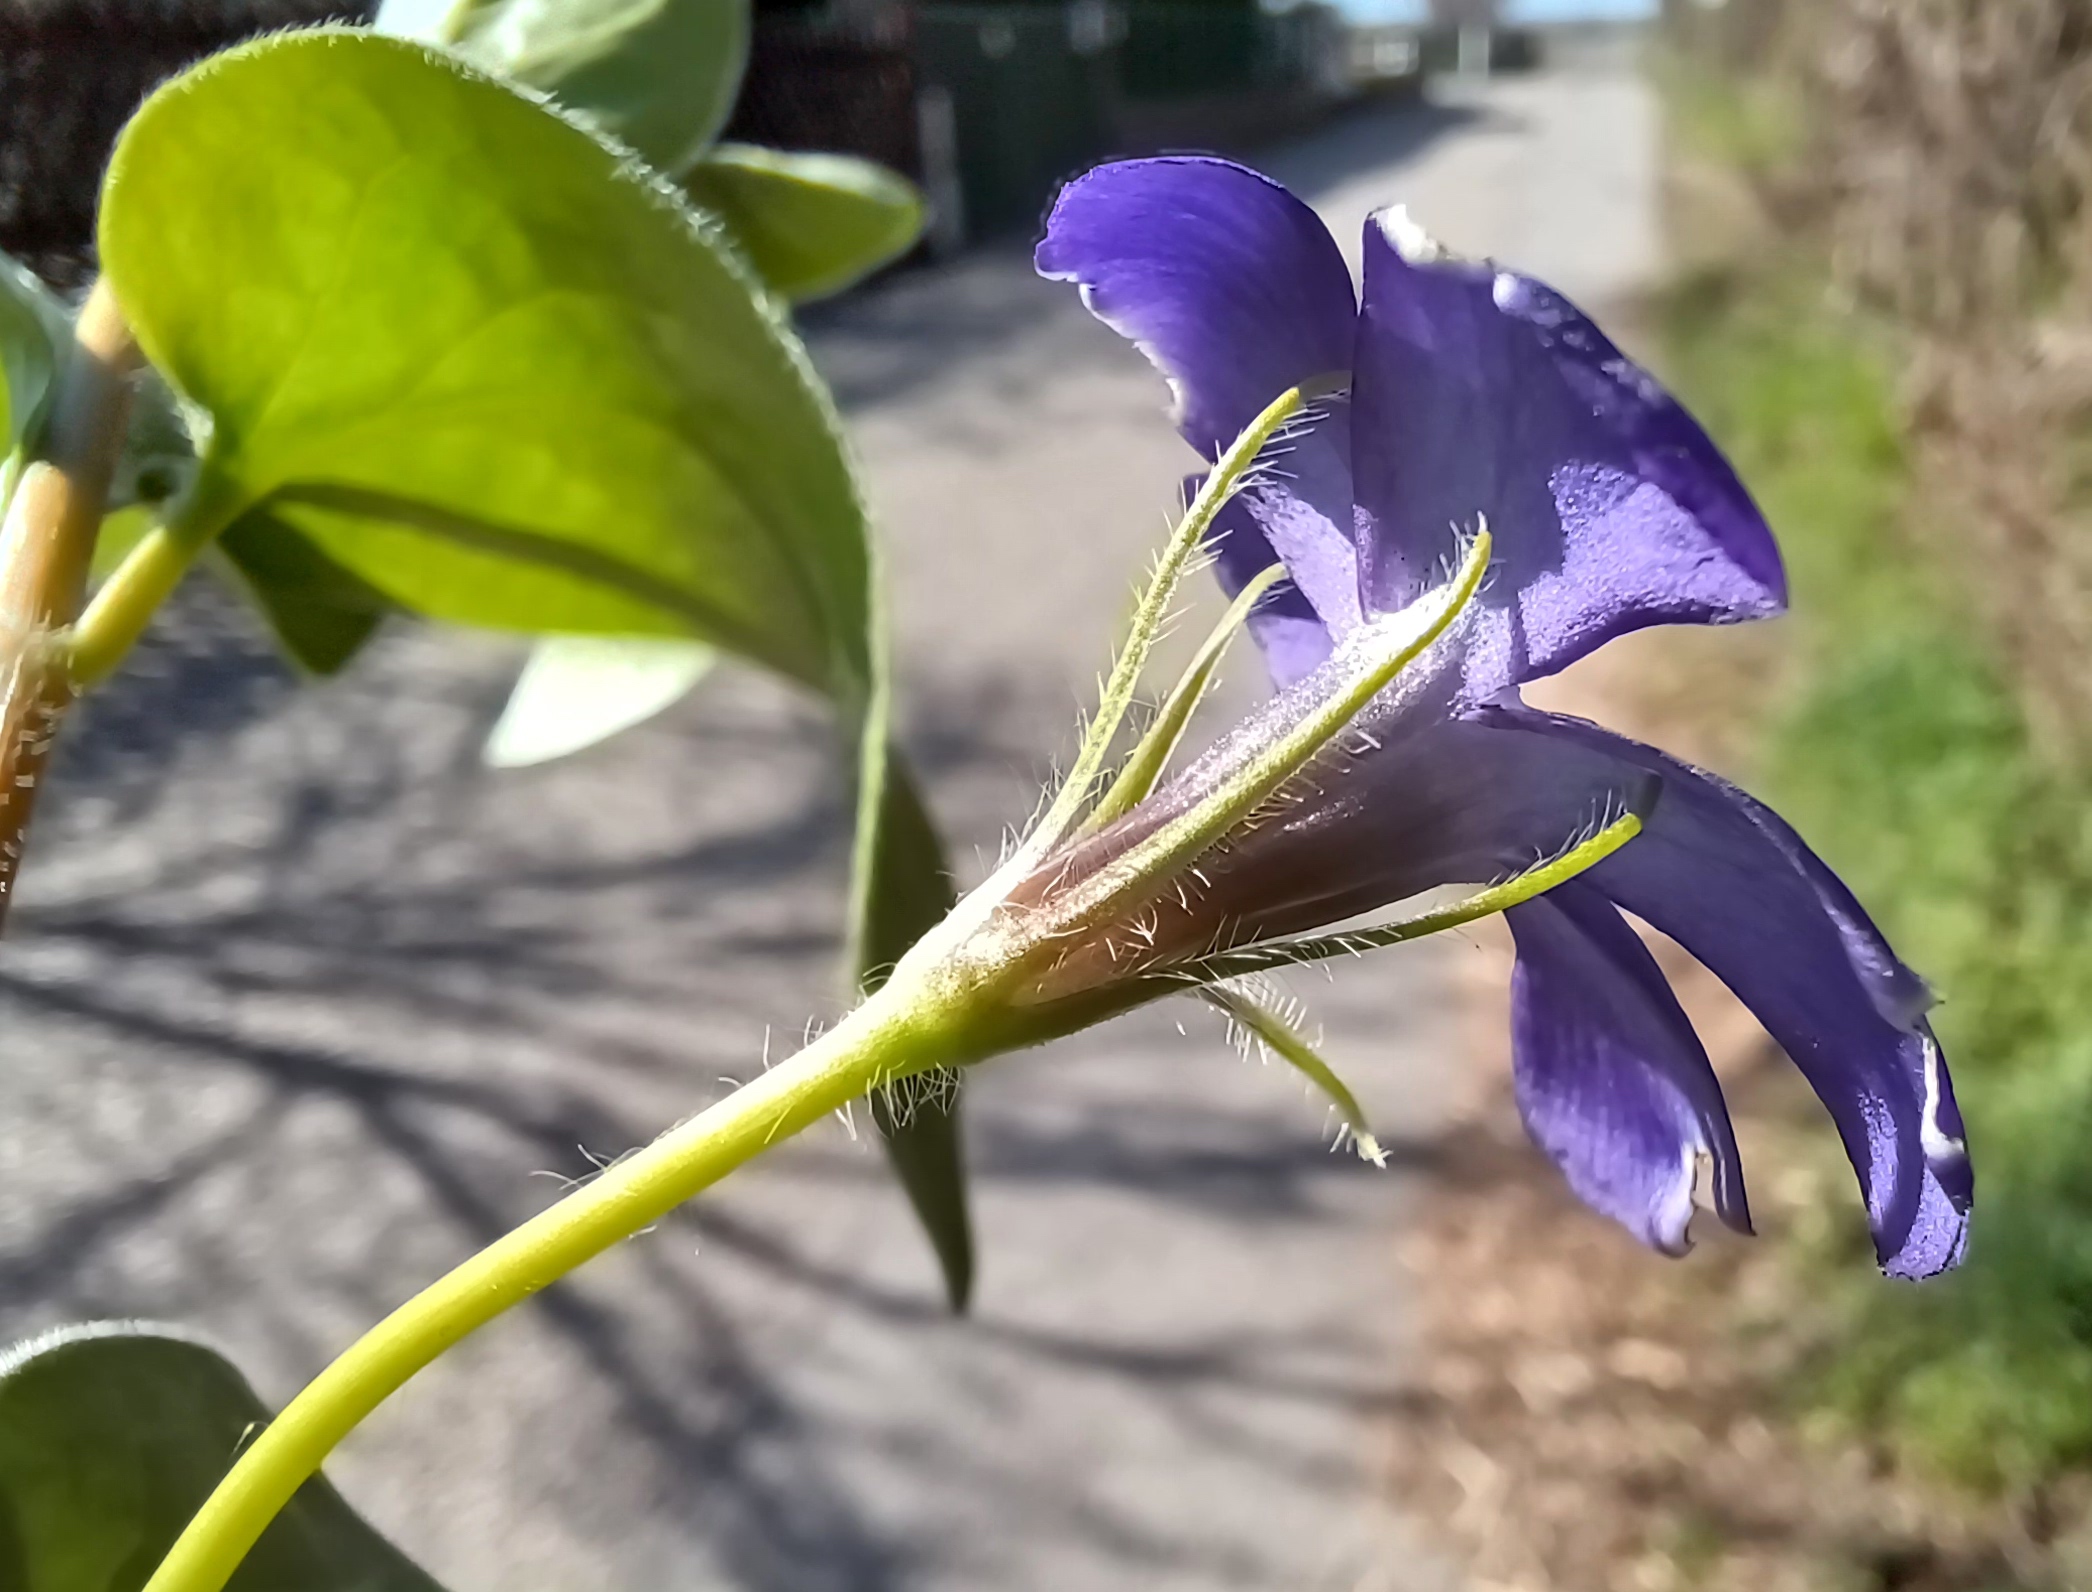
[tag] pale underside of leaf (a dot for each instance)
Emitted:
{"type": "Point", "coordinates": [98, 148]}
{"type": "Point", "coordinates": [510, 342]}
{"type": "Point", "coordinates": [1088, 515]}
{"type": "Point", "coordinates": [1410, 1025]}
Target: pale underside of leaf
{"type": "Point", "coordinates": [575, 691]}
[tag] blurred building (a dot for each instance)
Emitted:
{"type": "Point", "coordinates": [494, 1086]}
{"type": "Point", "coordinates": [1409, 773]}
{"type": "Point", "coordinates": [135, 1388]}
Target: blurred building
{"type": "Point", "coordinates": [991, 102]}
{"type": "Point", "coordinates": [71, 72]}
{"type": "Point", "coordinates": [988, 103]}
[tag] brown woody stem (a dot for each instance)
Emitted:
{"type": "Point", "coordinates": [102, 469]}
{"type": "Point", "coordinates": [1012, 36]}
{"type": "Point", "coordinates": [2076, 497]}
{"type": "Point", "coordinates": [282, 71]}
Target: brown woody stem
{"type": "Point", "coordinates": [46, 546]}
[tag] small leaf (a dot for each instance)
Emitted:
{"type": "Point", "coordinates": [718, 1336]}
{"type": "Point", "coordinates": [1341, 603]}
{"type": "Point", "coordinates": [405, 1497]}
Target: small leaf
{"type": "Point", "coordinates": [901, 888]}
{"type": "Point", "coordinates": [320, 613]}
{"type": "Point", "coordinates": [659, 74]}
{"type": "Point", "coordinates": [33, 327]}
{"type": "Point", "coordinates": [111, 1437]}
{"type": "Point", "coordinates": [577, 690]}
{"type": "Point", "coordinates": [810, 224]}
{"type": "Point", "coordinates": [478, 360]}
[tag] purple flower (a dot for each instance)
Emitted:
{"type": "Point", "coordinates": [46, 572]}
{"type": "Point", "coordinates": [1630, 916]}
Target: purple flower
{"type": "Point", "coordinates": [1470, 395]}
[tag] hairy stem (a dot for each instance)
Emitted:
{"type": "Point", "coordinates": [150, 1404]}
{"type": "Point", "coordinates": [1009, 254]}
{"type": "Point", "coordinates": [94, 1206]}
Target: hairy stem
{"type": "Point", "coordinates": [892, 1035]}
{"type": "Point", "coordinates": [46, 545]}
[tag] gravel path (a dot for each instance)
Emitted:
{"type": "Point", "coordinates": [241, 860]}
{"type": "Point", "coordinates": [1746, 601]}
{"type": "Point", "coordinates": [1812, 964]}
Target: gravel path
{"type": "Point", "coordinates": [302, 1005]}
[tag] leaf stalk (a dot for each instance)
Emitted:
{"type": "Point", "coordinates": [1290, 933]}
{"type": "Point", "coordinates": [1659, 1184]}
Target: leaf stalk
{"type": "Point", "coordinates": [46, 545]}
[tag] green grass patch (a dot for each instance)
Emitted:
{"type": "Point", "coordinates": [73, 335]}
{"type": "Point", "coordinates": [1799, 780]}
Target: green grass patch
{"type": "Point", "coordinates": [1899, 752]}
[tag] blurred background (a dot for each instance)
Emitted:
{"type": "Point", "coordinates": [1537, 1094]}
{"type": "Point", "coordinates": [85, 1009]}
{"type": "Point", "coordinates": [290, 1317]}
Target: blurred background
{"type": "Point", "coordinates": [302, 1003]}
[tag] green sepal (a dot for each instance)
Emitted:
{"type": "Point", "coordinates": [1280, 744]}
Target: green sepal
{"type": "Point", "coordinates": [1484, 903]}
{"type": "Point", "coordinates": [659, 75]}
{"type": "Point", "coordinates": [1158, 743]}
{"type": "Point", "coordinates": [810, 224]}
{"type": "Point", "coordinates": [1279, 1035]}
{"type": "Point", "coordinates": [1151, 617]}
{"type": "Point", "coordinates": [112, 1436]}
{"type": "Point", "coordinates": [1370, 660]}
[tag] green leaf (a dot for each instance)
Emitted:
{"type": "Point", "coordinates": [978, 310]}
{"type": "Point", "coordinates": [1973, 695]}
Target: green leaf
{"type": "Point", "coordinates": [659, 74]}
{"type": "Point", "coordinates": [479, 361]}
{"type": "Point", "coordinates": [577, 690]}
{"type": "Point", "coordinates": [33, 327]}
{"type": "Point", "coordinates": [321, 613]}
{"type": "Point", "coordinates": [901, 888]}
{"type": "Point", "coordinates": [810, 224]}
{"type": "Point", "coordinates": [112, 1435]}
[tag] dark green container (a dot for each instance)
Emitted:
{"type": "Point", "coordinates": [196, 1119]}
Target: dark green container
{"type": "Point", "coordinates": [1030, 89]}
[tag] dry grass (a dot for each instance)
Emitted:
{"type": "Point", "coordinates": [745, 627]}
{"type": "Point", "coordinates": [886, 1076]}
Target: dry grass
{"type": "Point", "coordinates": [1952, 163]}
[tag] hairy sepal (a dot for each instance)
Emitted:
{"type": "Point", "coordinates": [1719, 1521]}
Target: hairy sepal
{"type": "Point", "coordinates": [1256, 1023]}
{"type": "Point", "coordinates": [1370, 660]}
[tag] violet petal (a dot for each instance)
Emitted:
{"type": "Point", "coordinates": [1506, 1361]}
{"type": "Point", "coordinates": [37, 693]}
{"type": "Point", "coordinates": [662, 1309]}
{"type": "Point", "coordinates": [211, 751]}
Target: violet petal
{"type": "Point", "coordinates": [1232, 286]}
{"type": "Point", "coordinates": [1612, 1081]}
{"type": "Point", "coordinates": [1479, 392]}
{"type": "Point", "coordinates": [1750, 901]}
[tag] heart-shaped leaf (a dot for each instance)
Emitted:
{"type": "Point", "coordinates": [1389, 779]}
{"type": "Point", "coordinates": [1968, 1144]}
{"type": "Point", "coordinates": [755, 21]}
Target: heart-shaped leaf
{"type": "Point", "coordinates": [112, 1435]}
{"type": "Point", "coordinates": [577, 690]}
{"type": "Point", "coordinates": [661, 75]}
{"type": "Point", "coordinates": [810, 224]}
{"type": "Point", "coordinates": [479, 361]}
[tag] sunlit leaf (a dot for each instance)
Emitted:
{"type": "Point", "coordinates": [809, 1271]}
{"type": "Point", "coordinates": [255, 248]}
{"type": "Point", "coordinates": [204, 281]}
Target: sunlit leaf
{"type": "Point", "coordinates": [810, 224]}
{"type": "Point", "coordinates": [478, 361]}
{"type": "Point", "coordinates": [577, 690]}
{"type": "Point", "coordinates": [659, 74]}
{"type": "Point", "coordinates": [112, 1435]}
{"type": "Point", "coordinates": [33, 326]}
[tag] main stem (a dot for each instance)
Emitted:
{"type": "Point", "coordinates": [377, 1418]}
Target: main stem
{"type": "Point", "coordinates": [889, 1035]}
{"type": "Point", "coordinates": [46, 545]}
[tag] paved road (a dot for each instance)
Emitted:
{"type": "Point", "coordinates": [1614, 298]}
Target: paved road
{"type": "Point", "coordinates": [302, 1006]}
